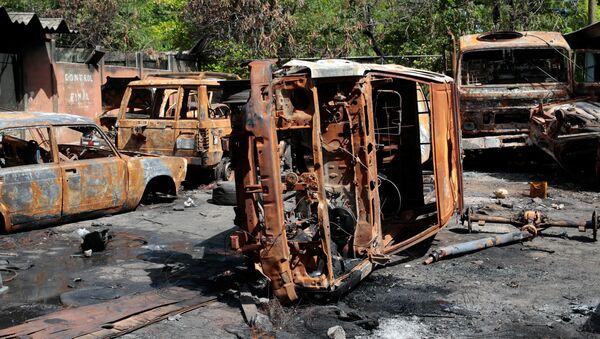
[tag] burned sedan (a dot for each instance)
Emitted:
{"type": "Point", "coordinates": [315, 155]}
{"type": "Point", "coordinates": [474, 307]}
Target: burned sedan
{"type": "Point", "coordinates": [61, 167]}
{"type": "Point", "coordinates": [570, 133]}
{"type": "Point", "coordinates": [340, 166]}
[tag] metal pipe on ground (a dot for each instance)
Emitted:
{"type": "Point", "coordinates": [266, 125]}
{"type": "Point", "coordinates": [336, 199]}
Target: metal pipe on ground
{"type": "Point", "coordinates": [476, 245]}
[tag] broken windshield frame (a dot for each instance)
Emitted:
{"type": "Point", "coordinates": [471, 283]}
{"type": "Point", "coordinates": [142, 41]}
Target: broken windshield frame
{"type": "Point", "coordinates": [513, 66]}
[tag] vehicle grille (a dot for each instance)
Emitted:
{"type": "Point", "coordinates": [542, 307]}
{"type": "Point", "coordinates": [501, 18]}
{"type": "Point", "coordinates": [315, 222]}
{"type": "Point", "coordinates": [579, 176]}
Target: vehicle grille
{"type": "Point", "coordinates": [202, 141]}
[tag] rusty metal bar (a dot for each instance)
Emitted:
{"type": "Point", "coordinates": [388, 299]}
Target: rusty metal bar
{"type": "Point", "coordinates": [476, 245]}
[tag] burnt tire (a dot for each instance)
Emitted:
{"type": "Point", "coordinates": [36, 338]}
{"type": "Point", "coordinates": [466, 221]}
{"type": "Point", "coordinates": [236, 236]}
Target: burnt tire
{"type": "Point", "coordinates": [224, 194]}
{"type": "Point", "coordinates": [224, 170]}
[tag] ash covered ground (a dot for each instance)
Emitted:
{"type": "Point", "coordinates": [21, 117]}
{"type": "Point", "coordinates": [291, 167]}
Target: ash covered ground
{"type": "Point", "coordinates": [545, 288]}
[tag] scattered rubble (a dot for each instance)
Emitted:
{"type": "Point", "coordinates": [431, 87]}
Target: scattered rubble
{"type": "Point", "coordinates": [336, 332]}
{"type": "Point", "coordinates": [95, 241]}
{"type": "Point", "coordinates": [2, 287]}
{"type": "Point", "coordinates": [189, 203]}
{"type": "Point", "coordinates": [501, 193]}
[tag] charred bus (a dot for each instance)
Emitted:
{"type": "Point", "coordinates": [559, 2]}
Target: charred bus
{"type": "Point", "coordinates": [501, 76]}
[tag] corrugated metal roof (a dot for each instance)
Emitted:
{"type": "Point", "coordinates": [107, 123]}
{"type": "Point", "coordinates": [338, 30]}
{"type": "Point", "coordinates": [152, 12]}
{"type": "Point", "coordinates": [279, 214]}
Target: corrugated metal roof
{"type": "Point", "coordinates": [33, 22]}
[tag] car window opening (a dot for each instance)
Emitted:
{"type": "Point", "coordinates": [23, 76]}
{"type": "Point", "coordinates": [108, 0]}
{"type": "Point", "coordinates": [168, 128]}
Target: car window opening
{"type": "Point", "coordinates": [81, 143]}
{"type": "Point", "coordinates": [25, 146]}
{"type": "Point", "coordinates": [513, 66]}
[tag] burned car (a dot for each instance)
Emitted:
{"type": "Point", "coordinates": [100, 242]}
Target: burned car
{"type": "Point", "coordinates": [179, 114]}
{"type": "Point", "coordinates": [570, 133]}
{"type": "Point", "coordinates": [340, 166]}
{"type": "Point", "coordinates": [501, 76]}
{"type": "Point", "coordinates": [60, 167]}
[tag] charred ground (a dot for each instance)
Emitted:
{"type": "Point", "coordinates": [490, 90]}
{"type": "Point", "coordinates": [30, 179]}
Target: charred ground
{"type": "Point", "coordinates": [543, 288]}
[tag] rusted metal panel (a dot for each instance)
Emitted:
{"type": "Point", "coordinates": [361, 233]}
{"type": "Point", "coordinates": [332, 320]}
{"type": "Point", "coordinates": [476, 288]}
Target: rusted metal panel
{"type": "Point", "coordinates": [329, 171]}
{"type": "Point", "coordinates": [60, 167]}
{"type": "Point", "coordinates": [448, 168]}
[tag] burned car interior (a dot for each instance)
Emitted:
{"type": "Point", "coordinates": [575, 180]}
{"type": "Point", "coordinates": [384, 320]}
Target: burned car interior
{"type": "Point", "coordinates": [25, 146]}
{"type": "Point", "coordinates": [334, 173]}
{"type": "Point", "coordinates": [161, 103]}
{"type": "Point", "coordinates": [32, 145]}
{"type": "Point", "coordinates": [81, 143]}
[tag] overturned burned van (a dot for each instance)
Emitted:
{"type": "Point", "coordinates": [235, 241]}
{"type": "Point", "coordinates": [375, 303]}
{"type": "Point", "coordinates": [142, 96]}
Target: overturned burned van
{"type": "Point", "coordinates": [339, 166]}
{"type": "Point", "coordinates": [501, 76]}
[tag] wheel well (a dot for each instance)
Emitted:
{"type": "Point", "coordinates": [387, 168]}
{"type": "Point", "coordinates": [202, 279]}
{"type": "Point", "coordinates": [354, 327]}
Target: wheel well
{"type": "Point", "coordinates": [162, 184]}
{"type": "Point", "coordinates": [3, 229]}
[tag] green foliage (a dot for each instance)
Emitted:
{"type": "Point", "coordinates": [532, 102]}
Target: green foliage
{"type": "Point", "coordinates": [229, 56]}
{"type": "Point", "coordinates": [329, 29]}
{"type": "Point", "coordinates": [235, 31]}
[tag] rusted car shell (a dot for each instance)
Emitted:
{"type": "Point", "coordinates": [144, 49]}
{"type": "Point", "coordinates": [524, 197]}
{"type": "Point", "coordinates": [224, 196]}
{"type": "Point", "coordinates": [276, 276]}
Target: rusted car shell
{"type": "Point", "coordinates": [40, 194]}
{"type": "Point", "coordinates": [570, 133]}
{"type": "Point", "coordinates": [198, 140]}
{"type": "Point", "coordinates": [296, 266]}
{"type": "Point", "coordinates": [480, 105]}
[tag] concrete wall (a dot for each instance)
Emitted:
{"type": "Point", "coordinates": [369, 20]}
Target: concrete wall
{"type": "Point", "coordinates": [75, 87]}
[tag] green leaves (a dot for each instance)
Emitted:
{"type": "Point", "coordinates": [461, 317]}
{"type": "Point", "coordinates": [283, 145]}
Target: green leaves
{"type": "Point", "coordinates": [235, 31]}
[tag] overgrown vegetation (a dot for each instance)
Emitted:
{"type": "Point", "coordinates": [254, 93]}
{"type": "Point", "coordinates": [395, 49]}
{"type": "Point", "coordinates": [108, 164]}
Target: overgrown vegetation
{"type": "Point", "coordinates": [226, 33]}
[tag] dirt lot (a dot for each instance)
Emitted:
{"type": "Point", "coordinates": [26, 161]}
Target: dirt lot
{"type": "Point", "coordinates": [544, 288]}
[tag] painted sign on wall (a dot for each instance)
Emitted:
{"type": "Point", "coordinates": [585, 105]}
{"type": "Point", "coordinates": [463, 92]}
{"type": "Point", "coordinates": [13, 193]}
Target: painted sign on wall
{"type": "Point", "coordinates": [78, 88]}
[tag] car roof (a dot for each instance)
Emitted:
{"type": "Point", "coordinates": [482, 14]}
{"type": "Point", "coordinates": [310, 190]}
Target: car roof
{"type": "Point", "coordinates": [27, 119]}
{"type": "Point", "coordinates": [331, 68]}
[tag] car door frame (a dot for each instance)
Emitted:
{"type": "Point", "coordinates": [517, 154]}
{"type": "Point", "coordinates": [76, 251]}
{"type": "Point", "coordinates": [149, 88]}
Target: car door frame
{"type": "Point", "coordinates": [154, 135]}
{"type": "Point", "coordinates": [38, 196]}
{"type": "Point", "coordinates": [92, 185]}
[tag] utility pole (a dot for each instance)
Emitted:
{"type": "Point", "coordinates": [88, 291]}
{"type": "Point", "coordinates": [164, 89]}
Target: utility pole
{"type": "Point", "coordinates": [590, 60]}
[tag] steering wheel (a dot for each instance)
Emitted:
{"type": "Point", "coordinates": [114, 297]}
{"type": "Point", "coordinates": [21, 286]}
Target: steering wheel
{"type": "Point", "coordinates": [69, 155]}
{"type": "Point", "coordinates": [82, 152]}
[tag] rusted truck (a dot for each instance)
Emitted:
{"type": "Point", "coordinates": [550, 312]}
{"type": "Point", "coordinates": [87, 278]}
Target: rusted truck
{"type": "Point", "coordinates": [339, 167]}
{"type": "Point", "coordinates": [61, 167]}
{"type": "Point", "coordinates": [179, 114]}
{"type": "Point", "coordinates": [501, 76]}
